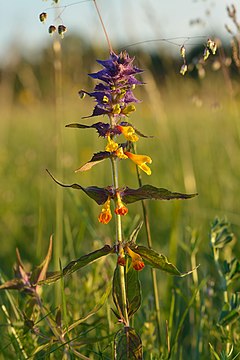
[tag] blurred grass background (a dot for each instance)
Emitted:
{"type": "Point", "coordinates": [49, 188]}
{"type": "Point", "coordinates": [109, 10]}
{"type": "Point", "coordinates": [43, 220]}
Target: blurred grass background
{"type": "Point", "coordinates": [195, 123]}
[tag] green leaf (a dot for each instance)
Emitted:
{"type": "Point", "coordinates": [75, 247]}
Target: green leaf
{"type": "Point", "coordinates": [229, 317]}
{"type": "Point", "coordinates": [213, 352]}
{"type": "Point", "coordinates": [133, 291]}
{"type": "Point", "coordinates": [220, 233]}
{"type": "Point", "coordinates": [232, 270]}
{"type": "Point", "coordinates": [152, 193]}
{"type": "Point", "coordinates": [156, 260]}
{"type": "Point", "coordinates": [127, 345]}
{"type": "Point", "coordinates": [100, 195]}
{"type": "Point", "coordinates": [77, 264]}
{"type": "Point", "coordinates": [135, 232]}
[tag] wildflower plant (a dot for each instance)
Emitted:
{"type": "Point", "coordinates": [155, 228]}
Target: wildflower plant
{"type": "Point", "coordinates": [115, 101]}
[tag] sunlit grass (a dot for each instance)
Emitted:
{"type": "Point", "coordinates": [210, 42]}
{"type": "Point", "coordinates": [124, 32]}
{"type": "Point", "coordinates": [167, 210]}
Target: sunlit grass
{"type": "Point", "coordinates": [195, 149]}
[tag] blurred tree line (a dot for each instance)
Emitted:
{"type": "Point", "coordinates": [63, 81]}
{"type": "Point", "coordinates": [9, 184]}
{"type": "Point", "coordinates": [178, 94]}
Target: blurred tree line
{"type": "Point", "coordinates": [27, 81]}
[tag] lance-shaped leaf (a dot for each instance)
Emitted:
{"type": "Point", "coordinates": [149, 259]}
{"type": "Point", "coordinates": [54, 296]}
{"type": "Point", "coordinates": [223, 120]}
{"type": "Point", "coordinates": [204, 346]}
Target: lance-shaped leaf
{"type": "Point", "coordinates": [127, 345]}
{"type": "Point", "coordinates": [39, 273]}
{"type": "Point", "coordinates": [96, 159]}
{"type": "Point", "coordinates": [133, 291]}
{"type": "Point", "coordinates": [102, 128]}
{"type": "Point", "coordinates": [151, 192]}
{"type": "Point", "coordinates": [156, 260]}
{"type": "Point", "coordinates": [77, 264]}
{"type": "Point", "coordinates": [100, 195]}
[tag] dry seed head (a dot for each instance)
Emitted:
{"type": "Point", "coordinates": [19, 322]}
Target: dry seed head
{"type": "Point", "coordinates": [183, 69]}
{"type": "Point", "coordinates": [61, 30]}
{"type": "Point", "coordinates": [212, 45]}
{"type": "Point", "coordinates": [43, 17]}
{"type": "Point", "coordinates": [206, 54]}
{"type": "Point", "coordinates": [183, 52]}
{"type": "Point", "coordinates": [52, 29]}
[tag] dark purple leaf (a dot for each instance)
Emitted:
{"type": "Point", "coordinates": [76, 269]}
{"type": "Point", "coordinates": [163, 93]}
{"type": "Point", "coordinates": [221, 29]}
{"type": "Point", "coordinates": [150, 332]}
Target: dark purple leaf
{"type": "Point", "coordinates": [152, 193]}
{"type": "Point", "coordinates": [100, 195]}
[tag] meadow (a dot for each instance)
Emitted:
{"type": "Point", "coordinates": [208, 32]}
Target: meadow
{"type": "Point", "coordinates": [195, 149]}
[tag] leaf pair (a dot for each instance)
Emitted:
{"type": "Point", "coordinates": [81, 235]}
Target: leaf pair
{"type": "Point", "coordinates": [128, 195]}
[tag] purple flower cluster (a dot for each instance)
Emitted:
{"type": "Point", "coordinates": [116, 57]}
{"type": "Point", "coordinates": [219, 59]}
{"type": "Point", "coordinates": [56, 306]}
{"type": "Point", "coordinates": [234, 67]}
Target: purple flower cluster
{"type": "Point", "coordinates": [114, 94]}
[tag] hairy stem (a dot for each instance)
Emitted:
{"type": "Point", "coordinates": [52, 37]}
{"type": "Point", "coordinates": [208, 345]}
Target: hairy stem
{"type": "Point", "coordinates": [119, 241]}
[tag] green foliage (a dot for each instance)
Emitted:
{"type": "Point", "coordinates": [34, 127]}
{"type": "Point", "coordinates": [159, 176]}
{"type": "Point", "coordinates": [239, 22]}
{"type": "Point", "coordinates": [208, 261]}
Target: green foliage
{"type": "Point", "coordinates": [127, 345]}
{"type": "Point", "coordinates": [155, 260]}
{"type": "Point", "coordinates": [77, 264]}
{"type": "Point", "coordinates": [199, 131]}
{"type": "Point", "coordinates": [133, 292]}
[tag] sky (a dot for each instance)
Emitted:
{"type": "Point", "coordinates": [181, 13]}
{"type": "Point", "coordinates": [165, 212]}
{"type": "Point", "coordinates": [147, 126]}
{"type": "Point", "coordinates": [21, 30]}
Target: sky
{"type": "Point", "coordinates": [126, 21]}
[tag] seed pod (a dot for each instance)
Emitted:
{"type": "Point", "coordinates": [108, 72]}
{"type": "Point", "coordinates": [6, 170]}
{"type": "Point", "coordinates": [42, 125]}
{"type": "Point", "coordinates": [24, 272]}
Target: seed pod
{"type": "Point", "coordinates": [52, 29]}
{"type": "Point", "coordinates": [206, 54]}
{"type": "Point", "coordinates": [61, 30]}
{"type": "Point", "coordinates": [43, 16]}
{"type": "Point", "coordinates": [183, 52]}
{"type": "Point", "coordinates": [183, 69]}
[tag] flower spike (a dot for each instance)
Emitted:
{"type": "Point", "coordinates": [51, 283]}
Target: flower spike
{"type": "Point", "coordinates": [140, 161]}
{"type": "Point", "coordinates": [105, 215]}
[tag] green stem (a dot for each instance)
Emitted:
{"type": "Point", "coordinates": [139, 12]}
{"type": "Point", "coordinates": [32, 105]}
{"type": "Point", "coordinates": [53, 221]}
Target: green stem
{"type": "Point", "coordinates": [119, 242]}
{"type": "Point", "coordinates": [153, 271]}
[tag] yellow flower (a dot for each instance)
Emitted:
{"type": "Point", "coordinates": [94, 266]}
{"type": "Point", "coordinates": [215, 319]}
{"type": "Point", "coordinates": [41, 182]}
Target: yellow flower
{"type": "Point", "coordinates": [128, 132]}
{"type": "Point", "coordinates": [121, 209]}
{"type": "Point", "coordinates": [137, 262]}
{"type": "Point", "coordinates": [120, 154]}
{"type": "Point", "coordinates": [111, 145]}
{"type": "Point", "coordinates": [128, 109]}
{"type": "Point", "coordinates": [140, 161]}
{"type": "Point", "coordinates": [105, 215]}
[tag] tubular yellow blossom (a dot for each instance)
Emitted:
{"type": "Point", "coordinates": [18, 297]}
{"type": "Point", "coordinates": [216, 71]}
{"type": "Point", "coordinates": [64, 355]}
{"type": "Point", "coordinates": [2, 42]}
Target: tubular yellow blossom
{"type": "Point", "coordinates": [121, 209]}
{"type": "Point", "coordinates": [128, 132]}
{"type": "Point", "coordinates": [137, 262]}
{"type": "Point", "coordinates": [111, 145]}
{"type": "Point", "coordinates": [140, 161]}
{"type": "Point", "coordinates": [116, 109]}
{"type": "Point", "coordinates": [105, 215]}
{"type": "Point", "coordinates": [128, 109]}
{"type": "Point", "coordinates": [120, 154]}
